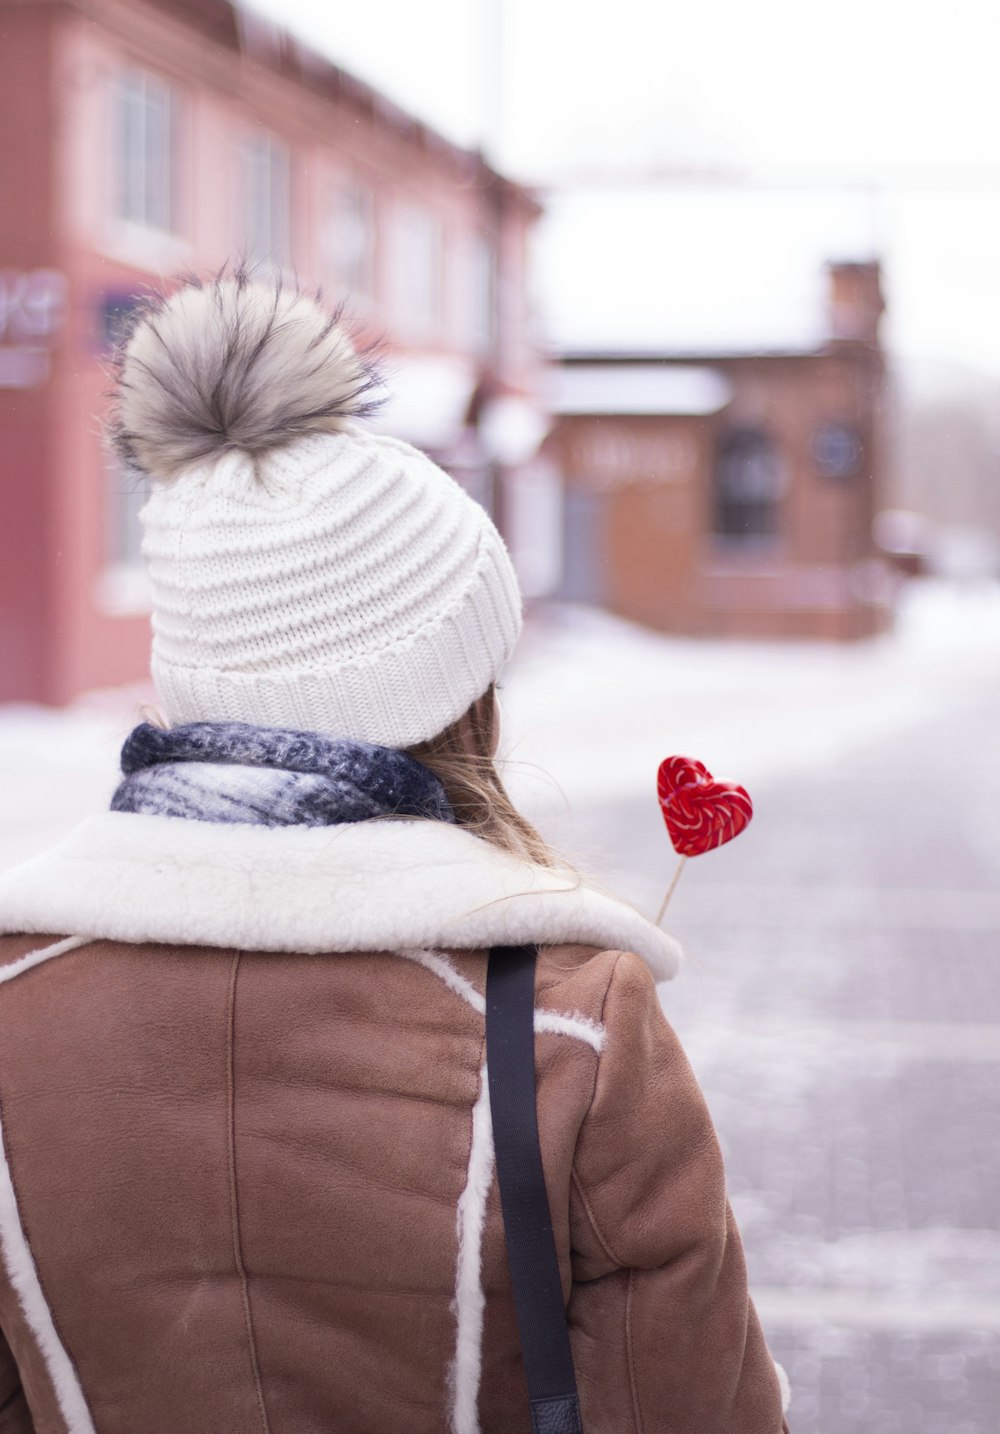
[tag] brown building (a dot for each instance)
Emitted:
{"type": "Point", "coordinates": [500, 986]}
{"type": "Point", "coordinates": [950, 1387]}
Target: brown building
{"type": "Point", "coordinates": [730, 491]}
{"type": "Point", "coordinates": [147, 137]}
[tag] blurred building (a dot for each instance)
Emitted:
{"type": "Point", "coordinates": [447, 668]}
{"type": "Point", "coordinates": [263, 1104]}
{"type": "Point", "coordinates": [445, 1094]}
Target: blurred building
{"type": "Point", "coordinates": [147, 137]}
{"type": "Point", "coordinates": [946, 423]}
{"type": "Point", "coordinates": [719, 405]}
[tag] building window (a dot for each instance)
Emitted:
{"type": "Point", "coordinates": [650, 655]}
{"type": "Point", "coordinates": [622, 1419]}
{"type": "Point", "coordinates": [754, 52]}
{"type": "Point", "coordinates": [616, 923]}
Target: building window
{"type": "Point", "coordinates": [416, 272]}
{"type": "Point", "coordinates": [266, 166]}
{"type": "Point", "coordinates": [838, 450]}
{"type": "Point", "coordinates": [749, 483]}
{"type": "Point", "coordinates": [116, 317]}
{"type": "Point", "coordinates": [145, 122]}
{"type": "Point", "coordinates": [477, 296]}
{"type": "Point", "coordinates": [352, 240]}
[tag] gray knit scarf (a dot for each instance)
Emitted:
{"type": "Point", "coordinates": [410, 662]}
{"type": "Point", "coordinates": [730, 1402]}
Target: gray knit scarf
{"type": "Point", "coordinates": [268, 776]}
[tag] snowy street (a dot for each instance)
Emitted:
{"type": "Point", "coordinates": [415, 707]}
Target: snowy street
{"type": "Point", "coordinates": [841, 999]}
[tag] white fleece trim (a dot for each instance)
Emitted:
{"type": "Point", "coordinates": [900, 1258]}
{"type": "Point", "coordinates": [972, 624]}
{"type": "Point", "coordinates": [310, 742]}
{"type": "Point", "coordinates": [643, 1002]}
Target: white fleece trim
{"type": "Point", "coordinates": [784, 1386]}
{"type": "Point", "coordinates": [44, 953]}
{"type": "Point", "coordinates": [19, 1262]}
{"type": "Point", "coordinates": [450, 975]}
{"type": "Point", "coordinates": [592, 1033]}
{"type": "Point", "coordinates": [469, 1304]}
{"type": "Point", "coordinates": [366, 886]}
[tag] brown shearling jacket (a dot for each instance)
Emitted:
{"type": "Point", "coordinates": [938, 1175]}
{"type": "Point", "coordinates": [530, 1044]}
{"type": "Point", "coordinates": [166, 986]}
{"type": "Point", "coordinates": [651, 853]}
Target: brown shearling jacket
{"type": "Point", "coordinates": [247, 1184]}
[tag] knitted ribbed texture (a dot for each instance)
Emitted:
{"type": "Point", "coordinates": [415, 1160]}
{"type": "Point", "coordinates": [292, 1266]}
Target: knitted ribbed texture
{"type": "Point", "coordinates": [342, 584]}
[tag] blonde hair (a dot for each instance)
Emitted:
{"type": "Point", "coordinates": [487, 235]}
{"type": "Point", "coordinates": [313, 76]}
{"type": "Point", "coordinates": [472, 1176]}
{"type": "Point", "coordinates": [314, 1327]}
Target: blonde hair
{"type": "Point", "coordinates": [461, 757]}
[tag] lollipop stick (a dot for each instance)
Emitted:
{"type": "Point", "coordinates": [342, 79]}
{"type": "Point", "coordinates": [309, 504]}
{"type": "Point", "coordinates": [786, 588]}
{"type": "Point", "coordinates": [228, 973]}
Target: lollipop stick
{"type": "Point", "coordinates": [670, 889]}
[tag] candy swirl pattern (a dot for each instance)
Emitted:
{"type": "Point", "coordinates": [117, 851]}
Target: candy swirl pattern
{"type": "Point", "coordinates": [700, 812]}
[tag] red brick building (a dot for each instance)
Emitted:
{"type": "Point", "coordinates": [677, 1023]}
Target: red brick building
{"type": "Point", "coordinates": [146, 137]}
{"type": "Point", "coordinates": [719, 430]}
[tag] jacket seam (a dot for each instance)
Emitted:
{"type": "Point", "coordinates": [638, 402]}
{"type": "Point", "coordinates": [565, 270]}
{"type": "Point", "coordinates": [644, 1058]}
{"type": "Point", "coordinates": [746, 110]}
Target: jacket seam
{"type": "Point", "coordinates": [234, 1204]}
{"type": "Point", "coordinates": [12, 1399]}
{"type": "Point", "coordinates": [630, 1355]}
{"type": "Point", "coordinates": [574, 1173]}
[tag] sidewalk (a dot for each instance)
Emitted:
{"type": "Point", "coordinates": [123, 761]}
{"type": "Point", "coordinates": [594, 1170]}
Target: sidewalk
{"type": "Point", "coordinates": [841, 1003]}
{"type": "Point", "coordinates": [845, 1021]}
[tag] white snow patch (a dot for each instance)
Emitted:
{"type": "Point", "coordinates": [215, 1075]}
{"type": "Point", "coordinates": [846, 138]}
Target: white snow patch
{"type": "Point", "coordinates": [594, 703]}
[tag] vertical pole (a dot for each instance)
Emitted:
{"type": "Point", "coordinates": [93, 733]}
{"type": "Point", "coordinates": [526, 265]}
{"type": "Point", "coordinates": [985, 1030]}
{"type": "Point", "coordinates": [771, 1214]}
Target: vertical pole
{"type": "Point", "coordinates": [671, 889]}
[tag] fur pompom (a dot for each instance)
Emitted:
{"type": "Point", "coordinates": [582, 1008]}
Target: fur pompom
{"type": "Point", "coordinates": [236, 363]}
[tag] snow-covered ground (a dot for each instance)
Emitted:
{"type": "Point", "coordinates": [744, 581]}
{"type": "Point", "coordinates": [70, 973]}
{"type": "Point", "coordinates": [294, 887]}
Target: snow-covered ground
{"type": "Point", "coordinates": [591, 705]}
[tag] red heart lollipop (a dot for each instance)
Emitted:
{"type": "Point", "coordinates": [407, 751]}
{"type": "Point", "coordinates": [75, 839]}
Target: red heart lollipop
{"type": "Point", "coordinates": [700, 812]}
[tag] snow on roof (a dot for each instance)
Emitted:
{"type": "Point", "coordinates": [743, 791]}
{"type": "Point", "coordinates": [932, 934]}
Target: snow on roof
{"type": "Point", "coordinates": [637, 389]}
{"type": "Point", "coordinates": [694, 269]}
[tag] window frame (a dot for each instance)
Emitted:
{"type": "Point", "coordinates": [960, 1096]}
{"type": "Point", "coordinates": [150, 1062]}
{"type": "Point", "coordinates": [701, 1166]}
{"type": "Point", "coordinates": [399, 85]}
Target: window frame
{"type": "Point", "coordinates": [275, 251]}
{"type": "Point", "coordinates": [767, 532]}
{"type": "Point", "coordinates": [418, 316]}
{"type": "Point", "coordinates": [353, 222]}
{"type": "Point", "coordinates": [138, 94]}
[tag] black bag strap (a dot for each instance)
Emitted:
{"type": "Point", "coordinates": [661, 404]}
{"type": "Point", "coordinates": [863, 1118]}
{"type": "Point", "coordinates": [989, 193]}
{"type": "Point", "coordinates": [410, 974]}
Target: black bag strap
{"type": "Point", "coordinates": [527, 1221]}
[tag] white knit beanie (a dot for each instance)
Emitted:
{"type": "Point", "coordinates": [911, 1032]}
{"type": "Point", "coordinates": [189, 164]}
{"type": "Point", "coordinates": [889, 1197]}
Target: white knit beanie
{"type": "Point", "coordinates": [305, 573]}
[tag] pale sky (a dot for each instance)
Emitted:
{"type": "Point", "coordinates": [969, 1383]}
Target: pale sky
{"type": "Point", "coordinates": [892, 94]}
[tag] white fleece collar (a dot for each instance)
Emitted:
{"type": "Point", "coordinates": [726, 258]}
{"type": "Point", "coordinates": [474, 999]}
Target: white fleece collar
{"type": "Point", "coordinates": [366, 886]}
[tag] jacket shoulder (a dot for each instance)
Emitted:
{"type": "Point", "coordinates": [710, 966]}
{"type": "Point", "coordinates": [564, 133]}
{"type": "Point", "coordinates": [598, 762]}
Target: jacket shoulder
{"type": "Point", "coordinates": [580, 977]}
